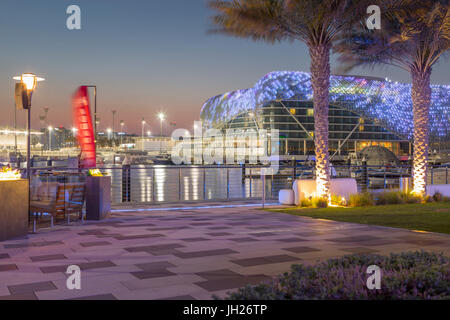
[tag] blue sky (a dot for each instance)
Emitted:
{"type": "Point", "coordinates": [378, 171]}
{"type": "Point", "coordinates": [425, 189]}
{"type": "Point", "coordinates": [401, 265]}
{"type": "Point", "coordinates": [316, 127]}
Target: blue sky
{"type": "Point", "coordinates": [144, 55]}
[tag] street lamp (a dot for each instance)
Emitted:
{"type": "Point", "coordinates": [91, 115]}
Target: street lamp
{"type": "Point", "coordinates": [122, 123]}
{"type": "Point", "coordinates": [161, 117]}
{"type": "Point", "coordinates": [143, 128]}
{"type": "Point", "coordinates": [113, 124]}
{"type": "Point", "coordinates": [24, 93]}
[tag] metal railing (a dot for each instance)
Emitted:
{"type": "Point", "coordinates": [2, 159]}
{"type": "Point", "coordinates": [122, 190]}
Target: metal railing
{"type": "Point", "coordinates": [171, 184]}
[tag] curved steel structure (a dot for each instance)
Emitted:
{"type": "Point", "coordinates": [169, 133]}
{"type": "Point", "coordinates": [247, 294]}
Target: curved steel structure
{"type": "Point", "coordinates": [385, 102]}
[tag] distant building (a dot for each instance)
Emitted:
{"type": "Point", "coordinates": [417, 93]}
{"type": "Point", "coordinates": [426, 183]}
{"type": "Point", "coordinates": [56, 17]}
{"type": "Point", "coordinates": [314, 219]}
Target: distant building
{"type": "Point", "coordinates": [154, 144]}
{"type": "Point", "coordinates": [8, 138]}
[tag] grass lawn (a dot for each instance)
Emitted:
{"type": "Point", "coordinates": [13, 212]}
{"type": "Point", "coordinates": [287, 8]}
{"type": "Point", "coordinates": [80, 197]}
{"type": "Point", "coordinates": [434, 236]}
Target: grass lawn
{"type": "Point", "coordinates": [433, 217]}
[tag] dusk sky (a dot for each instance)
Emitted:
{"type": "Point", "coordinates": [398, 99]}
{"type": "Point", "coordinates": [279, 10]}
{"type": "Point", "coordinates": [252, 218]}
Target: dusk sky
{"type": "Point", "coordinates": [145, 56]}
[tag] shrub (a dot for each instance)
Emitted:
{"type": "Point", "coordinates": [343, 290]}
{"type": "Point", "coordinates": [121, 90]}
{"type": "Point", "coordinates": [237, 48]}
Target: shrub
{"type": "Point", "coordinates": [410, 198]}
{"type": "Point", "coordinates": [338, 200]}
{"type": "Point", "coordinates": [319, 202]}
{"type": "Point", "coordinates": [391, 197]}
{"type": "Point", "coordinates": [305, 203]}
{"type": "Point", "coordinates": [361, 200]}
{"type": "Point", "coordinates": [438, 197]}
{"type": "Point", "coordinates": [414, 275]}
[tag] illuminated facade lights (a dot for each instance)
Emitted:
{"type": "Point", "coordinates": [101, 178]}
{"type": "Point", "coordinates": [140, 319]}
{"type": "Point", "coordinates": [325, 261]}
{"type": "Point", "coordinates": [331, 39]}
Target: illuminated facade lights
{"type": "Point", "coordinates": [386, 103]}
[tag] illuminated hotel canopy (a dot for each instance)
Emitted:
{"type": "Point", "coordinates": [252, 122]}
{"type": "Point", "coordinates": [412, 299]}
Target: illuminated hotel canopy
{"type": "Point", "coordinates": [388, 103]}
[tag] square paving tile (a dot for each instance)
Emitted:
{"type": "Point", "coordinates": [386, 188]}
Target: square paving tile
{"type": "Point", "coordinates": [142, 236]}
{"type": "Point", "coordinates": [360, 250]}
{"type": "Point", "coordinates": [31, 287]}
{"type": "Point", "coordinates": [49, 257]}
{"type": "Point", "coordinates": [355, 239]}
{"type": "Point", "coordinates": [263, 234]}
{"type": "Point", "coordinates": [83, 266]}
{"type": "Point", "coordinates": [219, 234]}
{"type": "Point", "coordinates": [7, 267]}
{"type": "Point", "coordinates": [301, 249]}
{"type": "Point", "coordinates": [102, 297]}
{"type": "Point", "coordinates": [205, 253]}
{"type": "Point", "coordinates": [258, 261]}
{"type": "Point", "coordinates": [180, 298]}
{"type": "Point", "coordinates": [244, 239]}
{"type": "Point", "coordinates": [95, 244]}
{"type": "Point", "coordinates": [227, 279]}
{"type": "Point", "coordinates": [162, 249]}
{"type": "Point", "coordinates": [17, 297]}
{"type": "Point", "coordinates": [198, 239]}
{"type": "Point", "coordinates": [292, 240]}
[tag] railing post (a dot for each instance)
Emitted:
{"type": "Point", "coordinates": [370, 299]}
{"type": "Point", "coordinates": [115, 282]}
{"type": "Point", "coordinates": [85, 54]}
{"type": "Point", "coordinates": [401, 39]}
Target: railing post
{"type": "Point", "coordinates": [153, 186]}
{"type": "Point", "coordinates": [228, 184]}
{"type": "Point", "coordinates": [179, 184]}
{"type": "Point", "coordinates": [251, 182]}
{"type": "Point", "coordinates": [204, 184]}
{"type": "Point", "coordinates": [263, 177]}
{"type": "Point", "coordinates": [385, 182]}
{"type": "Point", "coordinates": [271, 186]}
{"type": "Point", "coordinates": [432, 175]}
{"type": "Point", "coordinates": [446, 175]}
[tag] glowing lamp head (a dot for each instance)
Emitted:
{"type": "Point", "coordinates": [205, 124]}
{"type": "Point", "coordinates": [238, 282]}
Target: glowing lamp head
{"type": "Point", "coordinates": [30, 80]}
{"type": "Point", "coordinates": [161, 116]}
{"type": "Point", "coordinates": [50, 128]}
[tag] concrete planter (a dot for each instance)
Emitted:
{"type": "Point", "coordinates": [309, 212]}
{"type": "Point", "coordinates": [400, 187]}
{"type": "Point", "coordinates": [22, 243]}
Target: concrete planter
{"type": "Point", "coordinates": [13, 209]}
{"type": "Point", "coordinates": [340, 187]}
{"type": "Point", "coordinates": [98, 197]}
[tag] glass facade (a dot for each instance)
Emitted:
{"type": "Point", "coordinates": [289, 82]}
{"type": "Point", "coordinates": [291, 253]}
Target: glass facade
{"type": "Point", "coordinates": [348, 131]}
{"type": "Point", "coordinates": [364, 111]}
{"type": "Point", "coordinates": [384, 105]}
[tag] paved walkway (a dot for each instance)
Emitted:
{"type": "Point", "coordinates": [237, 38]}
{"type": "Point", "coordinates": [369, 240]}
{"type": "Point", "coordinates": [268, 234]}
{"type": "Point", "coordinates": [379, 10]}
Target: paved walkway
{"type": "Point", "coordinates": [185, 254]}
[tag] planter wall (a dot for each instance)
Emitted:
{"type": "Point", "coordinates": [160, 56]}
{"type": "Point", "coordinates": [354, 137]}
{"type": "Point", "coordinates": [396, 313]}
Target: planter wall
{"type": "Point", "coordinates": [98, 197]}
{"type": "Point", "coordinates": [13, 209]}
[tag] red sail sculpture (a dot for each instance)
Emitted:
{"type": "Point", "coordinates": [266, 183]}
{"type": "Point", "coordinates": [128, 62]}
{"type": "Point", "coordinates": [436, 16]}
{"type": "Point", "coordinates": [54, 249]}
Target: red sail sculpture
{"type": "Point", "coordinates": [83, 122]}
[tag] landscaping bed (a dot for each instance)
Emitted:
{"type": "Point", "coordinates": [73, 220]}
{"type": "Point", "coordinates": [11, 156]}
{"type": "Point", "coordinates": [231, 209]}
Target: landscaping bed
{"type": "Point", "coordinates": [415, 275]}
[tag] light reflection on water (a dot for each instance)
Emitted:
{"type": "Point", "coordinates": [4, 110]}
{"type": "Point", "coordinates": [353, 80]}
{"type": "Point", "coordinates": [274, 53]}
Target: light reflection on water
{"type": "Point", "coordinates": [162, 184]}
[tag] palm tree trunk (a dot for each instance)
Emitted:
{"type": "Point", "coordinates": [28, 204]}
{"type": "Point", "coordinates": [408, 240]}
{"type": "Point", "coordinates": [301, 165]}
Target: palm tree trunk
{"type": "Point", "coordinates": [320, 80]}
{"type": "Point", "coordinates": [421, 97]}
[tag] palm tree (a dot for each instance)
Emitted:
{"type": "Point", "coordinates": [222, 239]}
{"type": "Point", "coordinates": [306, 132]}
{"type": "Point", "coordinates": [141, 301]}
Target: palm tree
{"type": "Point", "coordinates": [317, 23]}
{"type": "Point", "coordinates": [414, 35]}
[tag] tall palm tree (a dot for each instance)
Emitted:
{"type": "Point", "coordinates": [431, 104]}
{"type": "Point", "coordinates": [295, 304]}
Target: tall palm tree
{"type": "Point", "coordinates": [317, 23]}
{"type": "Point", "coordinates": [414, 35]}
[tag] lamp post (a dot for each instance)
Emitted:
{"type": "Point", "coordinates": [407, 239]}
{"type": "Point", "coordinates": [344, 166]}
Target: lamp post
{"type": "Point", "coordinates": [122, 123]}
{"type": "Point", "coordinates": [113, 123]}
{"type": "Point", "coordinates": [161, 117]}
{"type": "Point", "coordinates": [24, 91]}
{"type": "Point", "coordinates": [143, 128]}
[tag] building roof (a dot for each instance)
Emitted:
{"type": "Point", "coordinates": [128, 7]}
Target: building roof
{"type": "Point", "coordinates": [386, 101]}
